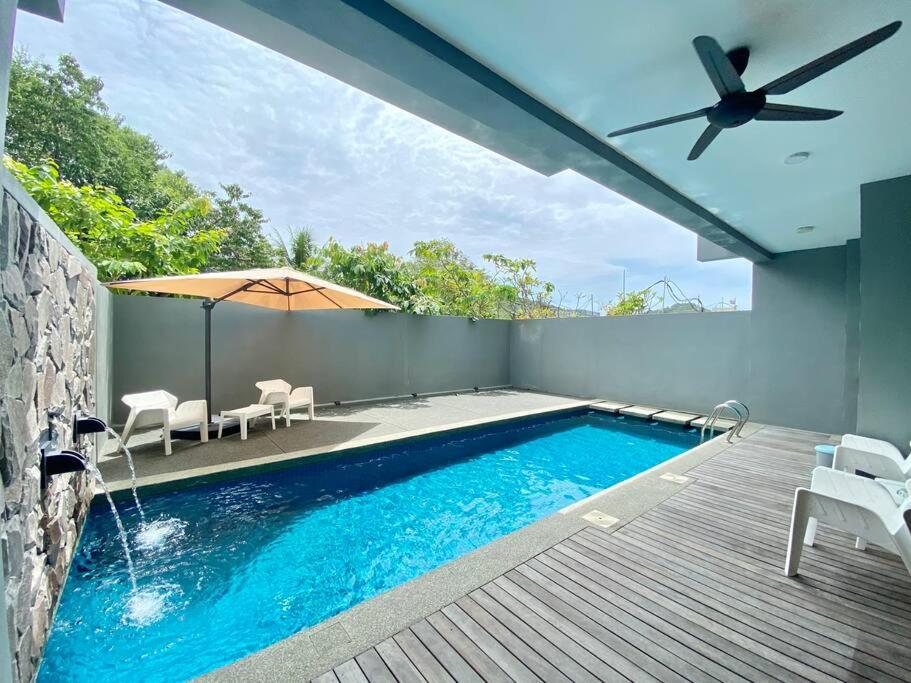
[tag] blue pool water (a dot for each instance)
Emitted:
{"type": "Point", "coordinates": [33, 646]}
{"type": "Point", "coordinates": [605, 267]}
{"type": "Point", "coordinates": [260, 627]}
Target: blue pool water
{"type": "Point", "coordinates": [263, 557]}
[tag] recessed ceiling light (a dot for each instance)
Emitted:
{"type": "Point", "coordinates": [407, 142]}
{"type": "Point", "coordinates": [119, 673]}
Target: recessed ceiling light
{"type": "Point", "coordinates": [797, 158]}
{"type": "Point", "coordinates": [803, 229]}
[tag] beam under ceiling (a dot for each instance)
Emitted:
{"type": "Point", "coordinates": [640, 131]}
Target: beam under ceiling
{"type": "Point", "coordinates": [378, 49]}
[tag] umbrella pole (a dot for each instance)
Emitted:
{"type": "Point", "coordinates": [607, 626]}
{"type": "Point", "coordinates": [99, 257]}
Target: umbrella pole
{"type": "Point", "coordinates": [208, 305]}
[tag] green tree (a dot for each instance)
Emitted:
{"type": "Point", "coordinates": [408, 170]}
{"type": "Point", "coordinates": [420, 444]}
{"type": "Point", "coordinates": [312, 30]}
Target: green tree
{"type": "Point", "coordinates": [374, 270]}
{"type": "Point", "coordinates": [446, 275]}
{"type": "Point", "coordinates": [299, 250]}
{"type": "Point", "coordinates": [244, 245]}
{"type": "Point", "coordinates": [109, 233]}
{"type": "Point", "coordinates": [57, 113]}
{"type": "Point", "coordinates": [632, 303]}
{"type": "Point", "coordinates": [530, 297]}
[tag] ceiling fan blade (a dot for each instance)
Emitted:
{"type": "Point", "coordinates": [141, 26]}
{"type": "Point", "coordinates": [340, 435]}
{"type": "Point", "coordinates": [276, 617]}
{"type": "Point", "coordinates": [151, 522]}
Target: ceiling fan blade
{"type": "Point", "coordinates": [704, 141]}
{"type": "Point", "coordinates": [790, 112]}
{"type": "Point", "coordinates": [818, 67]}
{"type": "Point", "coordinates": [660, 122]}
{"type": "Point", "coordinates": [717, 65]}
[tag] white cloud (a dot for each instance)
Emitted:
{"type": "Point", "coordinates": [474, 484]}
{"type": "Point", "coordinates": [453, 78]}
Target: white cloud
{"type": "Point", "coordinates": [314, 151]}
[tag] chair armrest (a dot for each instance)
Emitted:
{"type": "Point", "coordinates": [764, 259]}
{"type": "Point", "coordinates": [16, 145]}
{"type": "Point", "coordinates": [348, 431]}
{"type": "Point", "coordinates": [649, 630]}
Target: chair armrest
{"type": "Point", "coordinates": [865, 443]}
{"type": "Point", "coordinates": [143, 418]}
{"type": "Point", "coordinates": [192, 410]}
{"type": "Point", "coordinates": [302, 394]}
{"type": "Point", "coordinates": [878, 464]}
{"type": "Point", "coordinates": [275, 398]}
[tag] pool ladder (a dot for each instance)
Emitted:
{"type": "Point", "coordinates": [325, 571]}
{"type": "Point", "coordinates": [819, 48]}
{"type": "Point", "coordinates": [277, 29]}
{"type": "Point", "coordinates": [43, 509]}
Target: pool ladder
{"type": "Point", "coordinates": [740, 412]}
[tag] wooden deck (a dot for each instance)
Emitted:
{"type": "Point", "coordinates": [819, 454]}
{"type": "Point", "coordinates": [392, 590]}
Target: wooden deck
{"type": "Point", "coordinates": [692, 590]}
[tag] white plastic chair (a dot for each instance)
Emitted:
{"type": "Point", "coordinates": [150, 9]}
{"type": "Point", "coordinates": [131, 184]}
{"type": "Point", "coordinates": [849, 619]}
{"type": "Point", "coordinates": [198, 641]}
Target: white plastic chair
{"type": "Point", "coordinates": [279, 393]}
{"type": "Point", "coordinates": [857, 505]}
{"type": "Point", "coordinates": [160, 409]}
{"type": "Point", "coordinates": [873, 456]}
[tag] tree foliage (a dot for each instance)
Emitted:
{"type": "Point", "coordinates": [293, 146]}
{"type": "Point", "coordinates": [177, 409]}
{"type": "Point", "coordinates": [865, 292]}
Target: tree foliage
{"type": "Point", "coordinates": [109, 233]}
{"type": "Point", "coordinates": [244, 245]}
{"type": "Point", "coordinates": [108, 187]}
{"type": "Point", "coordinates": [457, 286]}
{"type": "Point", "coordinates": [632, 303]}
{"type": "Point", "coordinates": [57, 114]}
{"type": "Point", "coordinates": [298, 250]}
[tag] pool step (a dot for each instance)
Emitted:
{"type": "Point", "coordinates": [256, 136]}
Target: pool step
{"type": "Point", "coordinates": [721, 425]}
{"type": "Point", "coordinates": [674, 417]}
{"type": "Point", "coordinates": [644, 412]}
{"type": "Point", "coordinates": [609, 406]}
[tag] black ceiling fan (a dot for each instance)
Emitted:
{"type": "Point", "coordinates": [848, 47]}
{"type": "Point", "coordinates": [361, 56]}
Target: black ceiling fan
{"type": "Point", "coordinates": [738, 105]}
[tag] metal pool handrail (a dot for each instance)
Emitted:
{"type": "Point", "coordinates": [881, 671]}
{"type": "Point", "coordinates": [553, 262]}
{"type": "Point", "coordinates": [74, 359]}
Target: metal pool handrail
{"type": "Point", "coordinates": [740, 412]}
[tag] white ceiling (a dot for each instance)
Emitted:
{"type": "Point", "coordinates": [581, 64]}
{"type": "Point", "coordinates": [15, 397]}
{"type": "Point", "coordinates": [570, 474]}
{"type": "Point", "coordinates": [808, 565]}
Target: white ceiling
{"type": "Point", "coordinates": [607, 65]}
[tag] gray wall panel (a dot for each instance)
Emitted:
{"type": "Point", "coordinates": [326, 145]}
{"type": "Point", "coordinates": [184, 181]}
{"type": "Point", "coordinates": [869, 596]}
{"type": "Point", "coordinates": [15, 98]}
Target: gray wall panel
{"type": "Point", "coordinates": [885, 314]}
{"type": "Point", "coordinates": [798, 340]}
{"type": "Point", "coordinates": [786, 358]}
{"type": "Point", "coordinates": [344, 355]}
{"type": "Point", "coordinates": [687, 361]}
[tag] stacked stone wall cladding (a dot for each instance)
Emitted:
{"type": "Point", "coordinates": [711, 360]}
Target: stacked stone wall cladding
{"type": "Point", "coordinates": [47, 358]}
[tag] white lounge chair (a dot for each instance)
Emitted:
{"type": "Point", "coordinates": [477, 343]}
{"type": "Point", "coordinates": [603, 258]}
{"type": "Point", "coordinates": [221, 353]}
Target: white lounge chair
{"type": "Point", "coordinates": [866, 508]}
{"type": "Point", "coordinates": [160, 409]}
{"type": "Point", "coordinates": [873, 456]}
{"type": "Point", "coordinates": [278, 392]}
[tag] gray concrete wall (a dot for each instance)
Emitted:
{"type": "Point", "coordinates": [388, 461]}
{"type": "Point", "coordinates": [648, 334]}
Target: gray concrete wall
{"type": "Point", "coordinates": [798, 341]}
{"type": "Point", "coordinates": [344, 355]}
{"type": "Point", "coordinates": [786, 358]}
{"type": "Point", "coordinates": [884, 407]}
{"type": "Point", "coordinates": [687, 361]}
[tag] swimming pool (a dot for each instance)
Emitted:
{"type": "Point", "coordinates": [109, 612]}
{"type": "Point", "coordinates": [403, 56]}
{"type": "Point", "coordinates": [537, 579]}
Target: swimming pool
{"type": "Point", "coordinates": [261, 558]}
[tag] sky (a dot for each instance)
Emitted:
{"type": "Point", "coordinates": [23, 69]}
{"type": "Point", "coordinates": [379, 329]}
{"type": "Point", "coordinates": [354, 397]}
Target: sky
{"type": "Point", "coordinates": [315, 152]}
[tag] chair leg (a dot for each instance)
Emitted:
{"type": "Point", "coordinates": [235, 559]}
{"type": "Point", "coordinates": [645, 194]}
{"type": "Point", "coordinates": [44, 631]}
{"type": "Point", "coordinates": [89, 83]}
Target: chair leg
{"type": "Point", "coordinates": [166, 435]}
{"type": "Point", "coordinates": [310, 409]}
{"type": "Point", "coordinates": [799, 518]}
{"type": "Point", "coordinates": [860, 544]}
{"type": "Point", "coordinates": [287, 412]}
{"type": "Point", "coordinates": [203, 432]}
{"type": "Point", "coordinates": [809, 538]}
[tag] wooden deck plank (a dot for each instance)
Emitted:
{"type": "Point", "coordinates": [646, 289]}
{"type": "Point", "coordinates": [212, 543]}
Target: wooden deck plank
{"type": "Point", "coordinates": [422, 658]}
{"type": "Point", "coordinates": [447, 655]}
{"type": "Point", "coordinates": [398, 662]}
{"type": "Point", "coordinates": [350, 672]}
{"type": "Point", "coordinates": [565, 665]}
{"type": "Point", "coordinates": [374, 668]}
{"type": "Point", "coordinates": [779, 631]}
{"type": "Point", "coordinates": [467, 648]}
{"type": "Point", "coordinates": [500, 655]}
{"type": "Point", "coordinates": [660, 626]}
{"type": "Point", "coordinates": [693, 589]}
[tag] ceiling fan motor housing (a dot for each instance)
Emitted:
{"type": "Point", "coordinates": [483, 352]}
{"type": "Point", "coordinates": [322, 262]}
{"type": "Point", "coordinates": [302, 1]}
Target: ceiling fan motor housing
{"type": "Point", "coordinates": [736, 109]}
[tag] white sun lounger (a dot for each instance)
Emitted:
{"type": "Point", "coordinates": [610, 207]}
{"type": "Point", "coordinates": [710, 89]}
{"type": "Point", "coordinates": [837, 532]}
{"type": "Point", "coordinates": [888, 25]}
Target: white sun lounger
{"type": "Point", "coordinates": [863, 507]}
{"type": "Point", "coordinates": [160, 409]}
{"type": "Point", "coordinates": [278, 392]}
{"type": "Point", "coordinates": [873, 456]}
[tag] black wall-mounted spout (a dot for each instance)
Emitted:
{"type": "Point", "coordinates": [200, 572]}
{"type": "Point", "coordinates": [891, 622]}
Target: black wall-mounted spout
{"type": "Point", "coordinates": [61, 462]}
{"type": "Point", "coordinates": [85, 424]}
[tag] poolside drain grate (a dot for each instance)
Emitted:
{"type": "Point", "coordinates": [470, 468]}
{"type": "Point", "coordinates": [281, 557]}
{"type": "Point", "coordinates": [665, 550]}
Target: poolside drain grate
{"type": "Point", "coordinates": [676, 478]}
{"type": "Point", "coordinates": [598, 518]}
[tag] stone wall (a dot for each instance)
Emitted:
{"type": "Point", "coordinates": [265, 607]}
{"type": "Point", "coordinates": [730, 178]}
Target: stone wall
{"type": "Point", "coordinates": [47, 359]}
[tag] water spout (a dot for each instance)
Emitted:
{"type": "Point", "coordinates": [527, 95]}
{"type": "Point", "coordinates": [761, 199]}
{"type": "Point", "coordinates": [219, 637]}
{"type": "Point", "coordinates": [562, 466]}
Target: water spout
{"type": "Point", "coordinates": [61, 462]}
{"type": "Point", "coordinates": [129, 457]}
{"type": "Point", "coordinates": [119, 522]}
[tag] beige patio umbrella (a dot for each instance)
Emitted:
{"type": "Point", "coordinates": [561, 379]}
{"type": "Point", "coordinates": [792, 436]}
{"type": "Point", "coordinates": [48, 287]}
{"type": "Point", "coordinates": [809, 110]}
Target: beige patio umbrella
{"type": "Point", "coordinates": [283, 289]}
